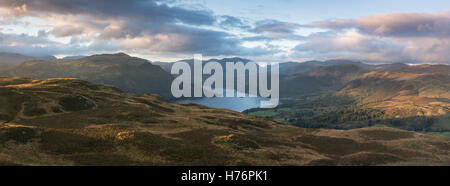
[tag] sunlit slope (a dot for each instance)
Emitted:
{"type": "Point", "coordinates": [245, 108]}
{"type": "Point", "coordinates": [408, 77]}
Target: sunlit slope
{"type": "Point", "coordinates": [402, 94]}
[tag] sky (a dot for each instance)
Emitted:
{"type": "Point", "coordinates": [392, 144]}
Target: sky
{"type": "Point", "coordinates": [374, 31]}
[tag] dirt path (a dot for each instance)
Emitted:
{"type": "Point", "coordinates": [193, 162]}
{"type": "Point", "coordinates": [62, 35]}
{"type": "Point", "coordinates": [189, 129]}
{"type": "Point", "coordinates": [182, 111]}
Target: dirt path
{"type": "Point", "coordinates": [16, 116]}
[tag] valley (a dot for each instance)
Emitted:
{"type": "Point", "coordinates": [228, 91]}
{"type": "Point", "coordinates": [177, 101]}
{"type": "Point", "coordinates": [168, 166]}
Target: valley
{"type": "Point", "coordinates": [74, 122]}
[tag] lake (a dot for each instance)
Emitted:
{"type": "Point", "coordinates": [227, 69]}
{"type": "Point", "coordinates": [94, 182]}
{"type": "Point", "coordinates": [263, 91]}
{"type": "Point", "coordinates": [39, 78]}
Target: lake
{"type": "Point", "coordinates": [232, 103]}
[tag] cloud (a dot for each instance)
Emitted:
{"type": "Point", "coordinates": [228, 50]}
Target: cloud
{"type": "Point", "coordinates": [275, 26]}
{"type": "Point", "coordinates": [351, 45]}
{"type": "Point", "coordinates": [135, 25]}
{"type": "Point", "coordinates": [273, 29]}
{"type": "Point", "coordinates": [396, 24]}
{"type": "Point", "coordinates": [393, 37]}
{"type": "Point", "coordinates": [67, 30]}
{"type": "Point", "coordinates": [428, 49]}
{"type": "Point", "coordinates": [152, 10]}
{"type": "Point", "coordinates": [31, 45]}
{"type": "Point", "coordinates": [23, 39]}
{"type": "Point", "coordinates": [231, 21]}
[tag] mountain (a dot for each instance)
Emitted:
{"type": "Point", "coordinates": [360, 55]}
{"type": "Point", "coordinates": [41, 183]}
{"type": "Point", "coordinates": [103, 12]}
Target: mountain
{"type": "Point", "coordinates": [389, 67]}
{"type": "Point", "coordinates": [341, 72]}
{"type": "Point", "coordinates": [416, 92]}
{"type": "Point", "coordinates": [69, 58]}
{"type": "Point", "coordinates": [9, 60]}
{"type": "Point", "coordinates": [345, 62]}
{"type": "Point", "coordinates": [317, 78]}
{"type": "Point", "coordinates": [128, 73]}
{"type": "Point", "coordinates": [300, 68]}
{"type": "Point", "coordinates": [167, 66]}
{"type": "Point", "coordinates": [303, 67]}
{"type": "Point", "coordinates": [46, 58]}
{"type": "Point", "coordinates": [286, 65]}
{"type": "Point", "coordinates": [74, 122]}
{"type": "Point", "coordinates": [233, 59]}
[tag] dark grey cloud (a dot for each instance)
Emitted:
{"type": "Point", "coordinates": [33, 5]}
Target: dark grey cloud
{"type": "Point", "coordinates": [143, 10]}
{"type": "Point", "coordinates": [258, 38]}
{"type": "Point", "coordinates": [275, 26]}
{"type": "Point", "coordinates": [234, 22]}
{"type": "Point", "coordinates": [137, 15]}
{"type": "Point", "coordinates": [274, 29]}
{"type": "Point", "coordinates": [42, 33]}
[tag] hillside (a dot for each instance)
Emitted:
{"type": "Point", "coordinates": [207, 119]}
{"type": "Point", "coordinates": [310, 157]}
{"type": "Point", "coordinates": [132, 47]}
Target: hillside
{"type": "Point", "coordinates": [74, 122]}
{"type": "Point", "coordinates": [131, 74]}
{"type": "Point", "coordinates": [351, 96]}
{"type": "Point", "coordinates": [415, 92]}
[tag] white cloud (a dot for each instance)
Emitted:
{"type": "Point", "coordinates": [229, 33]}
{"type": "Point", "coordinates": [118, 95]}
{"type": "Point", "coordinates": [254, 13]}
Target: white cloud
{"type": "Point", "coordinates": [392, 37]}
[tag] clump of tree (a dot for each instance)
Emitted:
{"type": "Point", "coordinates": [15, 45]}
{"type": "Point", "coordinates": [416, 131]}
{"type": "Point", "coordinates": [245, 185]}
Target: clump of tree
{"type": "Point", "coordinates": [358, 117]}
{"type": "Point", "coordinates": [416, 123]}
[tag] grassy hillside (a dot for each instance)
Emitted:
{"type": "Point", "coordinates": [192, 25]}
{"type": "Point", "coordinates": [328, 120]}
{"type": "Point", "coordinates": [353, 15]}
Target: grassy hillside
{"type": "Point", "coordinates": [74, 122]}
{"type": "Point", "coordinates": [128, 73]}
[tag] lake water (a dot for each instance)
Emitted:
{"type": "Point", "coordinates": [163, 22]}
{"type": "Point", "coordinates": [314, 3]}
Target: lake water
{"type": "Point", "coordinates": [232, 103]}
